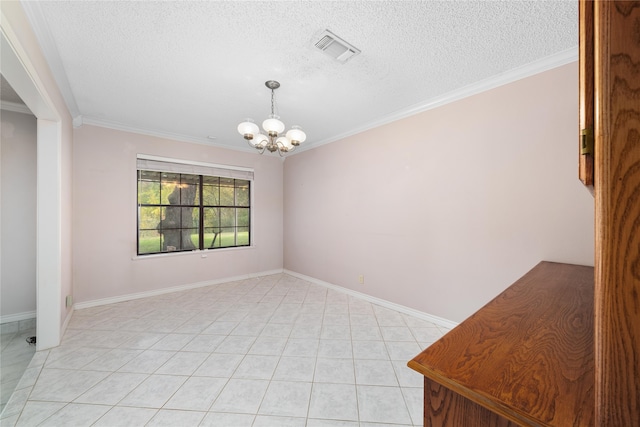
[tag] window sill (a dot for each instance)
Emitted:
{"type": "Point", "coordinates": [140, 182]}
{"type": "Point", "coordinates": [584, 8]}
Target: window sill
{"type": "Point", "coordinates": [197, 252]}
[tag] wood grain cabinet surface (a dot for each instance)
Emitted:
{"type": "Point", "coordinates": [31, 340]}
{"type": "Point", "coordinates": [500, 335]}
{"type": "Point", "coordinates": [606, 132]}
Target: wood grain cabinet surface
{"type": "Point", "coordinates": [525, 358]}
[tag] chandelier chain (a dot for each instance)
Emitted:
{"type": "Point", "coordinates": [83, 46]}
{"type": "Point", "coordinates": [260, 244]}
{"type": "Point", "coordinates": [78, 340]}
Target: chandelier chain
{"type": "Point", "coordinates": [272, 102]}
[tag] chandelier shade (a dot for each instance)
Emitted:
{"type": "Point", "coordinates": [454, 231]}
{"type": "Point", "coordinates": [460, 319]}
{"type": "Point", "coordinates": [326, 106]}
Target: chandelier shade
{"type": "Point", "coordinates": [258, 140]}
{"type": "Point", "coordinates": [273, 127]}
{"type": "Point", "coordinates": [248, 128]}
{"type": "Point", "coordinates": [296, 135]}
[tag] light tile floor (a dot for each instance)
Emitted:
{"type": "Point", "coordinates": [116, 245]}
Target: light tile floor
{"type": "Point", "coordinates": [270, 351]}
{"type": "Point", "coordinates": [15, 355]}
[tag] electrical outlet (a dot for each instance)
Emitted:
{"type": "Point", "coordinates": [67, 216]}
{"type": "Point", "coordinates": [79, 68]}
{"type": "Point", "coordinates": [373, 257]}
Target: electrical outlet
{"type": "Point", "coordinates": [69, 301]}
{"type": "Point", "coordinates": [361, 279]}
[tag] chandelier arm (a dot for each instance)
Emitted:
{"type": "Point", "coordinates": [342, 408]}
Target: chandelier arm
{"type": "Point", "coordinates": [283, 148]}
{"type": "Point", "coordinates": [259, 147]}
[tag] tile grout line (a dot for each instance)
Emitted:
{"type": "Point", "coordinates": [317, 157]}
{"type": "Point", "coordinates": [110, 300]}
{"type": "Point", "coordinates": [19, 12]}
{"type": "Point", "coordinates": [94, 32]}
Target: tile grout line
{"type": "Point", "coordinates": [233, 301]}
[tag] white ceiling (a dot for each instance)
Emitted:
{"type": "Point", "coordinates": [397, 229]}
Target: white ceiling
{"type": "Point", "coordinates": [195, 69]}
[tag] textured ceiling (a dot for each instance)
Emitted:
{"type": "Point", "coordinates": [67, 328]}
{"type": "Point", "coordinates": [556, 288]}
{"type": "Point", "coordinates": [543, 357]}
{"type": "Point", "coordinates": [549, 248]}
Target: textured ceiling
{"type": "Point", "coordinates": [196, 69]}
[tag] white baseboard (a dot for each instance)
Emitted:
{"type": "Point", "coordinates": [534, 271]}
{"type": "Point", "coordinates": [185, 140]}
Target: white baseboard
{"type": "Point", "coordinates": [155, 292]}
{"type": "Point", "coordinates": [381, 302]}
{"type": "Point", "coordinates": [66, 322]}
{"type": "Point", "coordinates": [18, 317]}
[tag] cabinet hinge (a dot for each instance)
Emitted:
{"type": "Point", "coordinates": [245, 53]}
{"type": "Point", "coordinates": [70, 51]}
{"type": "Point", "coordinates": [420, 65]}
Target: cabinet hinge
{"type": "Point", "coordinates": [586, 141]}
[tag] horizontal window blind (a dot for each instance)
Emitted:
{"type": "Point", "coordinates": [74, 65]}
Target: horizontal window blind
{"type": "Point", "coordinates": [194, 169]}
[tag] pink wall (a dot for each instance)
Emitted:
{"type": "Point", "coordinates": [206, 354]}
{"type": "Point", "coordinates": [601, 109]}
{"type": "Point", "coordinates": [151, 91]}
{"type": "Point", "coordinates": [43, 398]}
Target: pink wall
{"type": "Point", "coordinates": [18, 230]}
{"type": "Point", "coordinates": [443, 210]}
{"type": "Point", "coordinates": [16, 18]}
{"type": "Point", "coordinates": [105, 263]}
{"type": "Point", "coordinates": [439, 211]}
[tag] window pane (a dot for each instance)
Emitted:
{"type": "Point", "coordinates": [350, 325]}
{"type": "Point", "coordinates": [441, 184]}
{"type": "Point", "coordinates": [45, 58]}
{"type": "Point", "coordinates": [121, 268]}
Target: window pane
{"type": "Point", "coordinates": [149, 242]}
{"type": "Point", "coordinates": [148, 187]}
{"type": "Point", "coordinates": [178, 217]}
{"type": "Point", "coordinates": [211, 191]}
{"type": "Point", "coordinates": [211, 180]}
{"type": "Point", "coordinates": [227, 192]}
{"type": "Point", "coordinates": [227, 217]}
{"type": "Point", "coordinates": [179, 239]}
{"type": "Point", "coordinates": [243, 217]}
{"type": "Point", "coordinates": [227, 237]}
{"type": "Point", "coordinates": [195, 217]}
{"type": "Point", "coordinates": [149, 217]}
{"type": "Point", "coordinates": [170, 190]}
{"type": "Point", "coordinates": [211, 217]}
{"type": "Point", "coordinates": [148, 175]}
{"type": "Point", "coordinates": [187, 220]}
{"type": "Point", "coordinates": [194, 241]}
{"type": "Point", "coordinates": [242, 193]}
{"type": "Point", "coordinates": [242, 238]}
{"type": "Point", "coordinates": [170, 217]}
{"type": "Point", "coordinates": [189, 189]}
{"type": "Point", "coordinates": [170, 239]}
{"type": "Point", "coordinates": [211, 238]}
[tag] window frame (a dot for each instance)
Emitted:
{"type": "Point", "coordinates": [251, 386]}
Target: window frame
{"type": "Point", "coordinates": [240, 177]}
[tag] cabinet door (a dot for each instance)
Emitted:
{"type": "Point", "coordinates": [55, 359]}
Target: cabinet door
{"type": "Point", "coordinates": [586, 138]}
{"type": "Point", "coordinates": [617, 212]}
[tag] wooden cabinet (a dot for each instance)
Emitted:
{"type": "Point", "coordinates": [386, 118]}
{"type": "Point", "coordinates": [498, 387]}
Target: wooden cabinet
{"type": "Point", "coordinates": [526, 358]}
{"type": "Point", "coordinates": [586, 100]}
{"type": "Point", "coordinates": [617, 211]}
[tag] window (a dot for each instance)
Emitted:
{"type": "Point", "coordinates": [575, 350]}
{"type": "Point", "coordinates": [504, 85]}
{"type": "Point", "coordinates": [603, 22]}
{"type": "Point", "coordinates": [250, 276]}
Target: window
{"type": "Point", "coordinates": [179, 211]}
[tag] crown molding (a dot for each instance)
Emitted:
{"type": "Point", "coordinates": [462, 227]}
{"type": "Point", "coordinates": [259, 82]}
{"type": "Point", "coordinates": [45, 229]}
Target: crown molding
{"type": "Point", "coordinates": [528, 70]}
{"type": "Point", "coordinates": [85, 120]}
{"type": "Point", "coordinates": [545, 64]}
{"type": "Point", "coordinates": [15, 107]}
{"type": "Point", "coordinates": [34, 14]}
{"type": "Point", "coordinates": [77, 121]}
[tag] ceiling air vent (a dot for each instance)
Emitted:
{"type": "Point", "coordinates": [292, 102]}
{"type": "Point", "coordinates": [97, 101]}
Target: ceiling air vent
{"type": "Point", "coordinates": [335, 47]}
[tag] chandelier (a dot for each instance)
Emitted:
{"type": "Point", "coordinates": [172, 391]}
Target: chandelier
{"type": "Point", "coordinates": [273, 140]}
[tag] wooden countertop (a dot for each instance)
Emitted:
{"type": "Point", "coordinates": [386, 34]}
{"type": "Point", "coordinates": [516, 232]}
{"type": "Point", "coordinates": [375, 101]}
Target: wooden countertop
{"type": "Point", "coordinates": [528, 354]}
